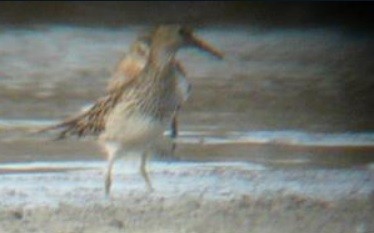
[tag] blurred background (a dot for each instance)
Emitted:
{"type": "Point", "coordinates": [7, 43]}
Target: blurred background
{"type": "Point", "coordinates": [281, 130]}
{"type": "Point", "coordinates": [351, 15]}
{"type": "Point", "coordinates": [296, 85]}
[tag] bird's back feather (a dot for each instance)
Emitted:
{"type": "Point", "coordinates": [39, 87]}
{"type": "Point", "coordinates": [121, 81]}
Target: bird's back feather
{"type": "Point", "coordinates": [91, 122]}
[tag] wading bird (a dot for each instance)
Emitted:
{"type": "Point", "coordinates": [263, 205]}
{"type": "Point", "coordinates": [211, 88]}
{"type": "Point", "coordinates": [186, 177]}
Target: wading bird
{"type": "Point", "coordinates": [140, 101]}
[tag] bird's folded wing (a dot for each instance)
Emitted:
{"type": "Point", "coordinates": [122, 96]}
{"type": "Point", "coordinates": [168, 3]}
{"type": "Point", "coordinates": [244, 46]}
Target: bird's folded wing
{"type": "Point", "coordinates": [90, 122]}
{"type": "Point", "coordinates": [129, 68]}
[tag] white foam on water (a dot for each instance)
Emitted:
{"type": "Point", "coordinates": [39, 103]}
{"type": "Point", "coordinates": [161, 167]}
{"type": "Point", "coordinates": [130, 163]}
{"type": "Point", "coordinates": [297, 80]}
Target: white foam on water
{"type": "Point", "coordinates": [51, 165]}
{"type": "Point", "coordinates": [286, 137]}
{"type": "Point", "coordinates": [125, 166]}
{"type": "Point", "coordinates": [280, 137]}
{"type": "Point", "coordinates": [10, 124]}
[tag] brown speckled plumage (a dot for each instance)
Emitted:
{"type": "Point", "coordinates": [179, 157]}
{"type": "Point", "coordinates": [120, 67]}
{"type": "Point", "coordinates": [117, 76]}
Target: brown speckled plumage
{"type": "Point", "coordinates": [92, 121]}
{"type": "Point", "coordinates": [141, 98]}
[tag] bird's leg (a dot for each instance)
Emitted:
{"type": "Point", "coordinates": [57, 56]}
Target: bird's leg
{"type": "Point", "coordinates": [174, 129]}
{"type": "Point", "coordinates": [143, 169]}
{"type": "Point", "coordinates": [174, 132]}
{"type": "Point", "coordinates": [108, 176]}
{"type": "Point", "coordinates": [111, 149]}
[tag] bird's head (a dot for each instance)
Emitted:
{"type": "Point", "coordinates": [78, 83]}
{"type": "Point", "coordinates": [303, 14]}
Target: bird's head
{"type": "Point", "coordinates": [174, 37]}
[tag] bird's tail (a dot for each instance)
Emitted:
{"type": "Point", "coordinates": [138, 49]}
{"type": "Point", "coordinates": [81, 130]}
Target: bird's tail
{"type": "Point", "coordinates": [63, 129]}
{"type": "Point", "coordinates": [88, 123]}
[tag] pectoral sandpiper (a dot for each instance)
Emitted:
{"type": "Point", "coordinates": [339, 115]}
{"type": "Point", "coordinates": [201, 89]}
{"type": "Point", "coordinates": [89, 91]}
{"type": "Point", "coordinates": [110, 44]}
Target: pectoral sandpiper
{"type": "Point", "coordinates": [141, 99]}
{"type": "Point", "coordinates": [134, 62]}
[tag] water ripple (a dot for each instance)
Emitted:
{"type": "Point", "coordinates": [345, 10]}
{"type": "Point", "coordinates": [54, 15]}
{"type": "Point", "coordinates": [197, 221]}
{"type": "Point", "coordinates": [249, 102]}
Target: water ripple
{"type": "Point", "coordinates": [213, 137]}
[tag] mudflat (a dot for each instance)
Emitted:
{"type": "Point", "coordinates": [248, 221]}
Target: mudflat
{"type": "Point", "coordinates": [188, 197]}
{"type": "Point", "coordinates": [275, 138]}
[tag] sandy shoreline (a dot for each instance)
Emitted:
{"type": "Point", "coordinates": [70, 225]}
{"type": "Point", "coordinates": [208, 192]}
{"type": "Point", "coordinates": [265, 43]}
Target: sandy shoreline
{"type": "Point", "coordinates": [189, 197]}
{"type": "Point", "coordinates": [281, 87]}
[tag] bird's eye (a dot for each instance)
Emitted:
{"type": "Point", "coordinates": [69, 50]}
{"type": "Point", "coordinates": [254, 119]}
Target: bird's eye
{"type": "Point", "coordinates": [184, 31]}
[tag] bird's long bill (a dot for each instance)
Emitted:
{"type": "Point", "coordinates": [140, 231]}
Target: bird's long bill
{"type": "Point", "coordinates": [199, 43]}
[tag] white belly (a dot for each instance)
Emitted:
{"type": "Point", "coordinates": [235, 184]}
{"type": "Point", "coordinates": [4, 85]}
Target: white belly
{"type": "Point", "coordinates": [183, 88]}
{"type": "Point", "coordinates": [133, 132]}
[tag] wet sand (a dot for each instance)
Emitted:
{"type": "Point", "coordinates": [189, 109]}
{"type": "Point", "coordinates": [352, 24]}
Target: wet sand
{"type": "Point", "coordinates": [189, 197]}
{"type": "Point", "coordinates": [300, 158]}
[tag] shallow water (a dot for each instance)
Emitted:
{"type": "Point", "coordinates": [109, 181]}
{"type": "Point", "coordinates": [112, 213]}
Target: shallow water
{"type": "Point", "coordinates": [281, 98]}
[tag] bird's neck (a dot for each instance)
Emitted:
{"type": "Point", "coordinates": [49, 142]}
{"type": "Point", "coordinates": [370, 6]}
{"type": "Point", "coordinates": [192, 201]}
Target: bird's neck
{"type": "Point", "coordinates": [161, 57]}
